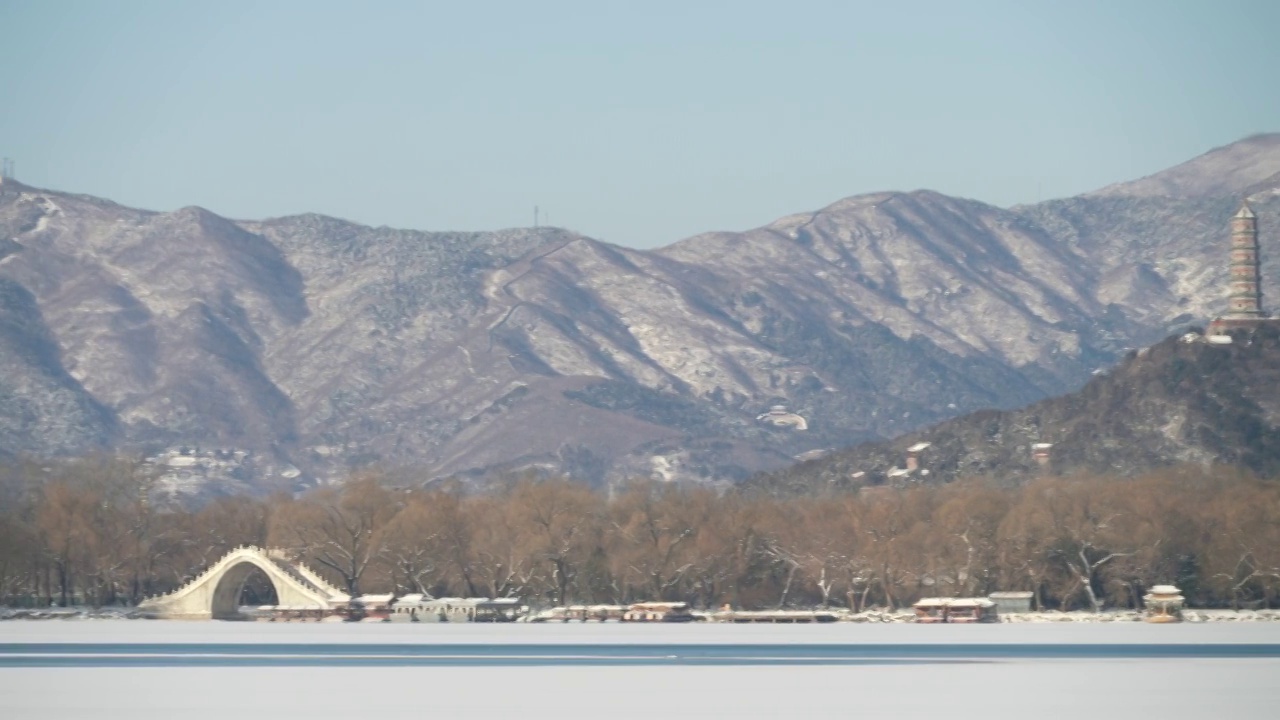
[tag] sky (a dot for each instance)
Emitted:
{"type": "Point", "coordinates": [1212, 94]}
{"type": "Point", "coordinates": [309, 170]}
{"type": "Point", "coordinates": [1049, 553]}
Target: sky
{"type": "Point", "coordinates": [639, 123]}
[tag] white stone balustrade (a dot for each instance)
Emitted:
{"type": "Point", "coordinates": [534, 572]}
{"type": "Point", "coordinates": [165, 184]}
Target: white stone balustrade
{"type": "Point", "coordinates": [215, 593]}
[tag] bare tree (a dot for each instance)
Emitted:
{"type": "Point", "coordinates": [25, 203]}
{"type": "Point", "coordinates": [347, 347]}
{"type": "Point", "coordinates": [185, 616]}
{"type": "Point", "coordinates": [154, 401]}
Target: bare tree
{"type": "Point", "coordinates": [652, 527]}
{"type": "Point", "coordinates": [340, 529]}
{"type": "Point", "coordinates": [413, 547]}
{"type": "Point", "coordinates": [963, 544]}
{"type": "Point", "coordinates": [563, 521]}
{"type": "Point", "coordinates": [1243, 520]}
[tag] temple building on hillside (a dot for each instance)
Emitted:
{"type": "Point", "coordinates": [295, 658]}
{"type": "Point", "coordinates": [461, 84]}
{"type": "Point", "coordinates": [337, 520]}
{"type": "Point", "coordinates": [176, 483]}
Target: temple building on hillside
{"type": "Point", "coordinates": [1244, 308]}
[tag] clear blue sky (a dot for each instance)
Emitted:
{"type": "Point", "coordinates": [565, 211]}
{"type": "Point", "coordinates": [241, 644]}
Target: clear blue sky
{"type": "Point", "coordinates": [639, 123]}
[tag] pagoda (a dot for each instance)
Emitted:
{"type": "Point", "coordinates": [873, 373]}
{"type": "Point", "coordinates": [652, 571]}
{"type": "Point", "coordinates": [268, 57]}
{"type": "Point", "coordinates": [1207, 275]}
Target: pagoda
{"type": "Point", "coordinates": [1244, 308]}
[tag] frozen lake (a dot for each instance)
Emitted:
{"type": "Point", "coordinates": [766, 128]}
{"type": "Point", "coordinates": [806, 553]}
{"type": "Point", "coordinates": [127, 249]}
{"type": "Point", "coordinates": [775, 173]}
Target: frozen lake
{"type": "Point", "coordinates": [141, 669]}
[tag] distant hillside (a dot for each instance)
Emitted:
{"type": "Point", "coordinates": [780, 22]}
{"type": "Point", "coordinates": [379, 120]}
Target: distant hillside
{"type": "Point", "coordinates": [1243, 167]}
{"type": "Point", "coordinates": [1183, 400]}
{"type": "Point", "coordinates": [249, 355]}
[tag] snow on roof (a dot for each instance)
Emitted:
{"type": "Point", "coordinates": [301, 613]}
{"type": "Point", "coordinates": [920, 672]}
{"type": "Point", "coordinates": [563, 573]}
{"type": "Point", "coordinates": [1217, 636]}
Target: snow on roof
{"type": "Point", "coordinates": [1219, 339]}
{"type": "Point", "coordinates": [970, 602]}
{"type": "Point", "coordinates": [954, 602]}
{"type": "Point", "coordinates": [1245, 212]}
{"type": "Point", "coordinates": [918, 447]}
{"type": "Point", "coordinates": [461, 601]}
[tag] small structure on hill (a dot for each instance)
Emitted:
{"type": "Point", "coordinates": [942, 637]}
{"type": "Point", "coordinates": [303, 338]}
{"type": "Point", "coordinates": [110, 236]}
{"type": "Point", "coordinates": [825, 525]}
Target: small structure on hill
{"type": "Point", "coordinates": [913, 455]}
{"type": "Point", "coordinates": [779, 416]}
{"type": "Point", "coordinates": [1042, 453]}
{"type": "Point", "coordinates": [1164, 604]}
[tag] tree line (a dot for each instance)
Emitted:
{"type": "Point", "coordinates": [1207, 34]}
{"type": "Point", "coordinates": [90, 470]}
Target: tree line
{"type": "Point", "coordinates": [91, 532]}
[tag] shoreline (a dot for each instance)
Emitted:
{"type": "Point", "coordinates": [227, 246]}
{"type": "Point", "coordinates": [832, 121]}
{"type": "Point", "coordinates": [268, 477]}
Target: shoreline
{"type": "Point", "coordinates": [93, 632]}
{"type": "Point", "coordinates": [890, 617]}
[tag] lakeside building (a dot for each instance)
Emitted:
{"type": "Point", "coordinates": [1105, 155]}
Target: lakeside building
{"type": "Point", "coordinates": [369, 608]}
{"type": "Point", "coordinates": [635, 612]}
{"type": "Point", "coordinates": [784, 617]}
{"type": "Point", "coordinates": [581, 613]}
{"type": "Point", "coordinates": [956, 610]}
{"type": "Point", "coordinates": [421, 608]}
{"type": "Point", "coordinates": [659, 612]}
{"type": "Point", "coordinates": [1164, 604]}
{"type": "Point", "coordinates": [1018, 601]}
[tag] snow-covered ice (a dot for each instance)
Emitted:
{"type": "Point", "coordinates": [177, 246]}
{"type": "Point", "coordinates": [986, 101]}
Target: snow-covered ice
{"type": "Point", "coordinates": [161, 631]}
{"type": "Point", "coordinates": [1169, 689]}
{"type": "Point", "coordinates": [1200, 690]}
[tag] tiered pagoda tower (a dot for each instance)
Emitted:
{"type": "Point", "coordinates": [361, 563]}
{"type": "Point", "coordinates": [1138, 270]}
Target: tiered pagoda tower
{"type": "Point", "coordinates": [1244, 303]}
{"type": "Point", "coordinates": [1246, 273]}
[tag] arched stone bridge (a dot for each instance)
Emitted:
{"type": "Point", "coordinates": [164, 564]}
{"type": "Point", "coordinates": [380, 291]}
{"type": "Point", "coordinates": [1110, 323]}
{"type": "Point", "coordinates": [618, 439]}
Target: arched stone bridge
{"type": "Point", "coordinates": [215, 593]}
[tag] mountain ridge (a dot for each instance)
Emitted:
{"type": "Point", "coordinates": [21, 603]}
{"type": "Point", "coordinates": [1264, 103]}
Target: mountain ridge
{"type": "Point", "coordinates": [317, 345]}
{"type": "Point", "coordinates": [1250, 163]}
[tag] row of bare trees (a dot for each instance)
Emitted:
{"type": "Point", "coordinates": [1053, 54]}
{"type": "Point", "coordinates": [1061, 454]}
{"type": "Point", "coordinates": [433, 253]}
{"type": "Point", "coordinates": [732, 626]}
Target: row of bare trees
{"type": "Point", "coordinates": [91, 532]}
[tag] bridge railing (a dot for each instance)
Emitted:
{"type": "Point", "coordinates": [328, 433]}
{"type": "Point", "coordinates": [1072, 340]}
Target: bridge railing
{"type": "Point", "coordinates": [321, 590]}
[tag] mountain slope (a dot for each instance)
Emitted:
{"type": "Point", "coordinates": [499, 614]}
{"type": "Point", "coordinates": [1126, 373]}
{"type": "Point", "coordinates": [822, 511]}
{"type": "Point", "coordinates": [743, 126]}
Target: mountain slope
{"type": "Point", "coordinates": [306, 346]}
{"type": "Point", "coordinates": [1183, 400]}
{"type": "Point", "coordinates": [1243, 167]}
{"type": "Point", "coordinates": [40, 404]}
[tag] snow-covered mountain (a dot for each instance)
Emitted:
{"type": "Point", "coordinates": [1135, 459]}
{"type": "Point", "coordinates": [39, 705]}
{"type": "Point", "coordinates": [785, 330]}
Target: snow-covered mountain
{"type": "Point", "coordinates": [306, 346]}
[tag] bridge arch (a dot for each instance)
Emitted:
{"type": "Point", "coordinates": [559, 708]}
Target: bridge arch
{"type": "Point", "coordinates": [215, 593]}
{"type": "Point", "coordinates": [225, 603]}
